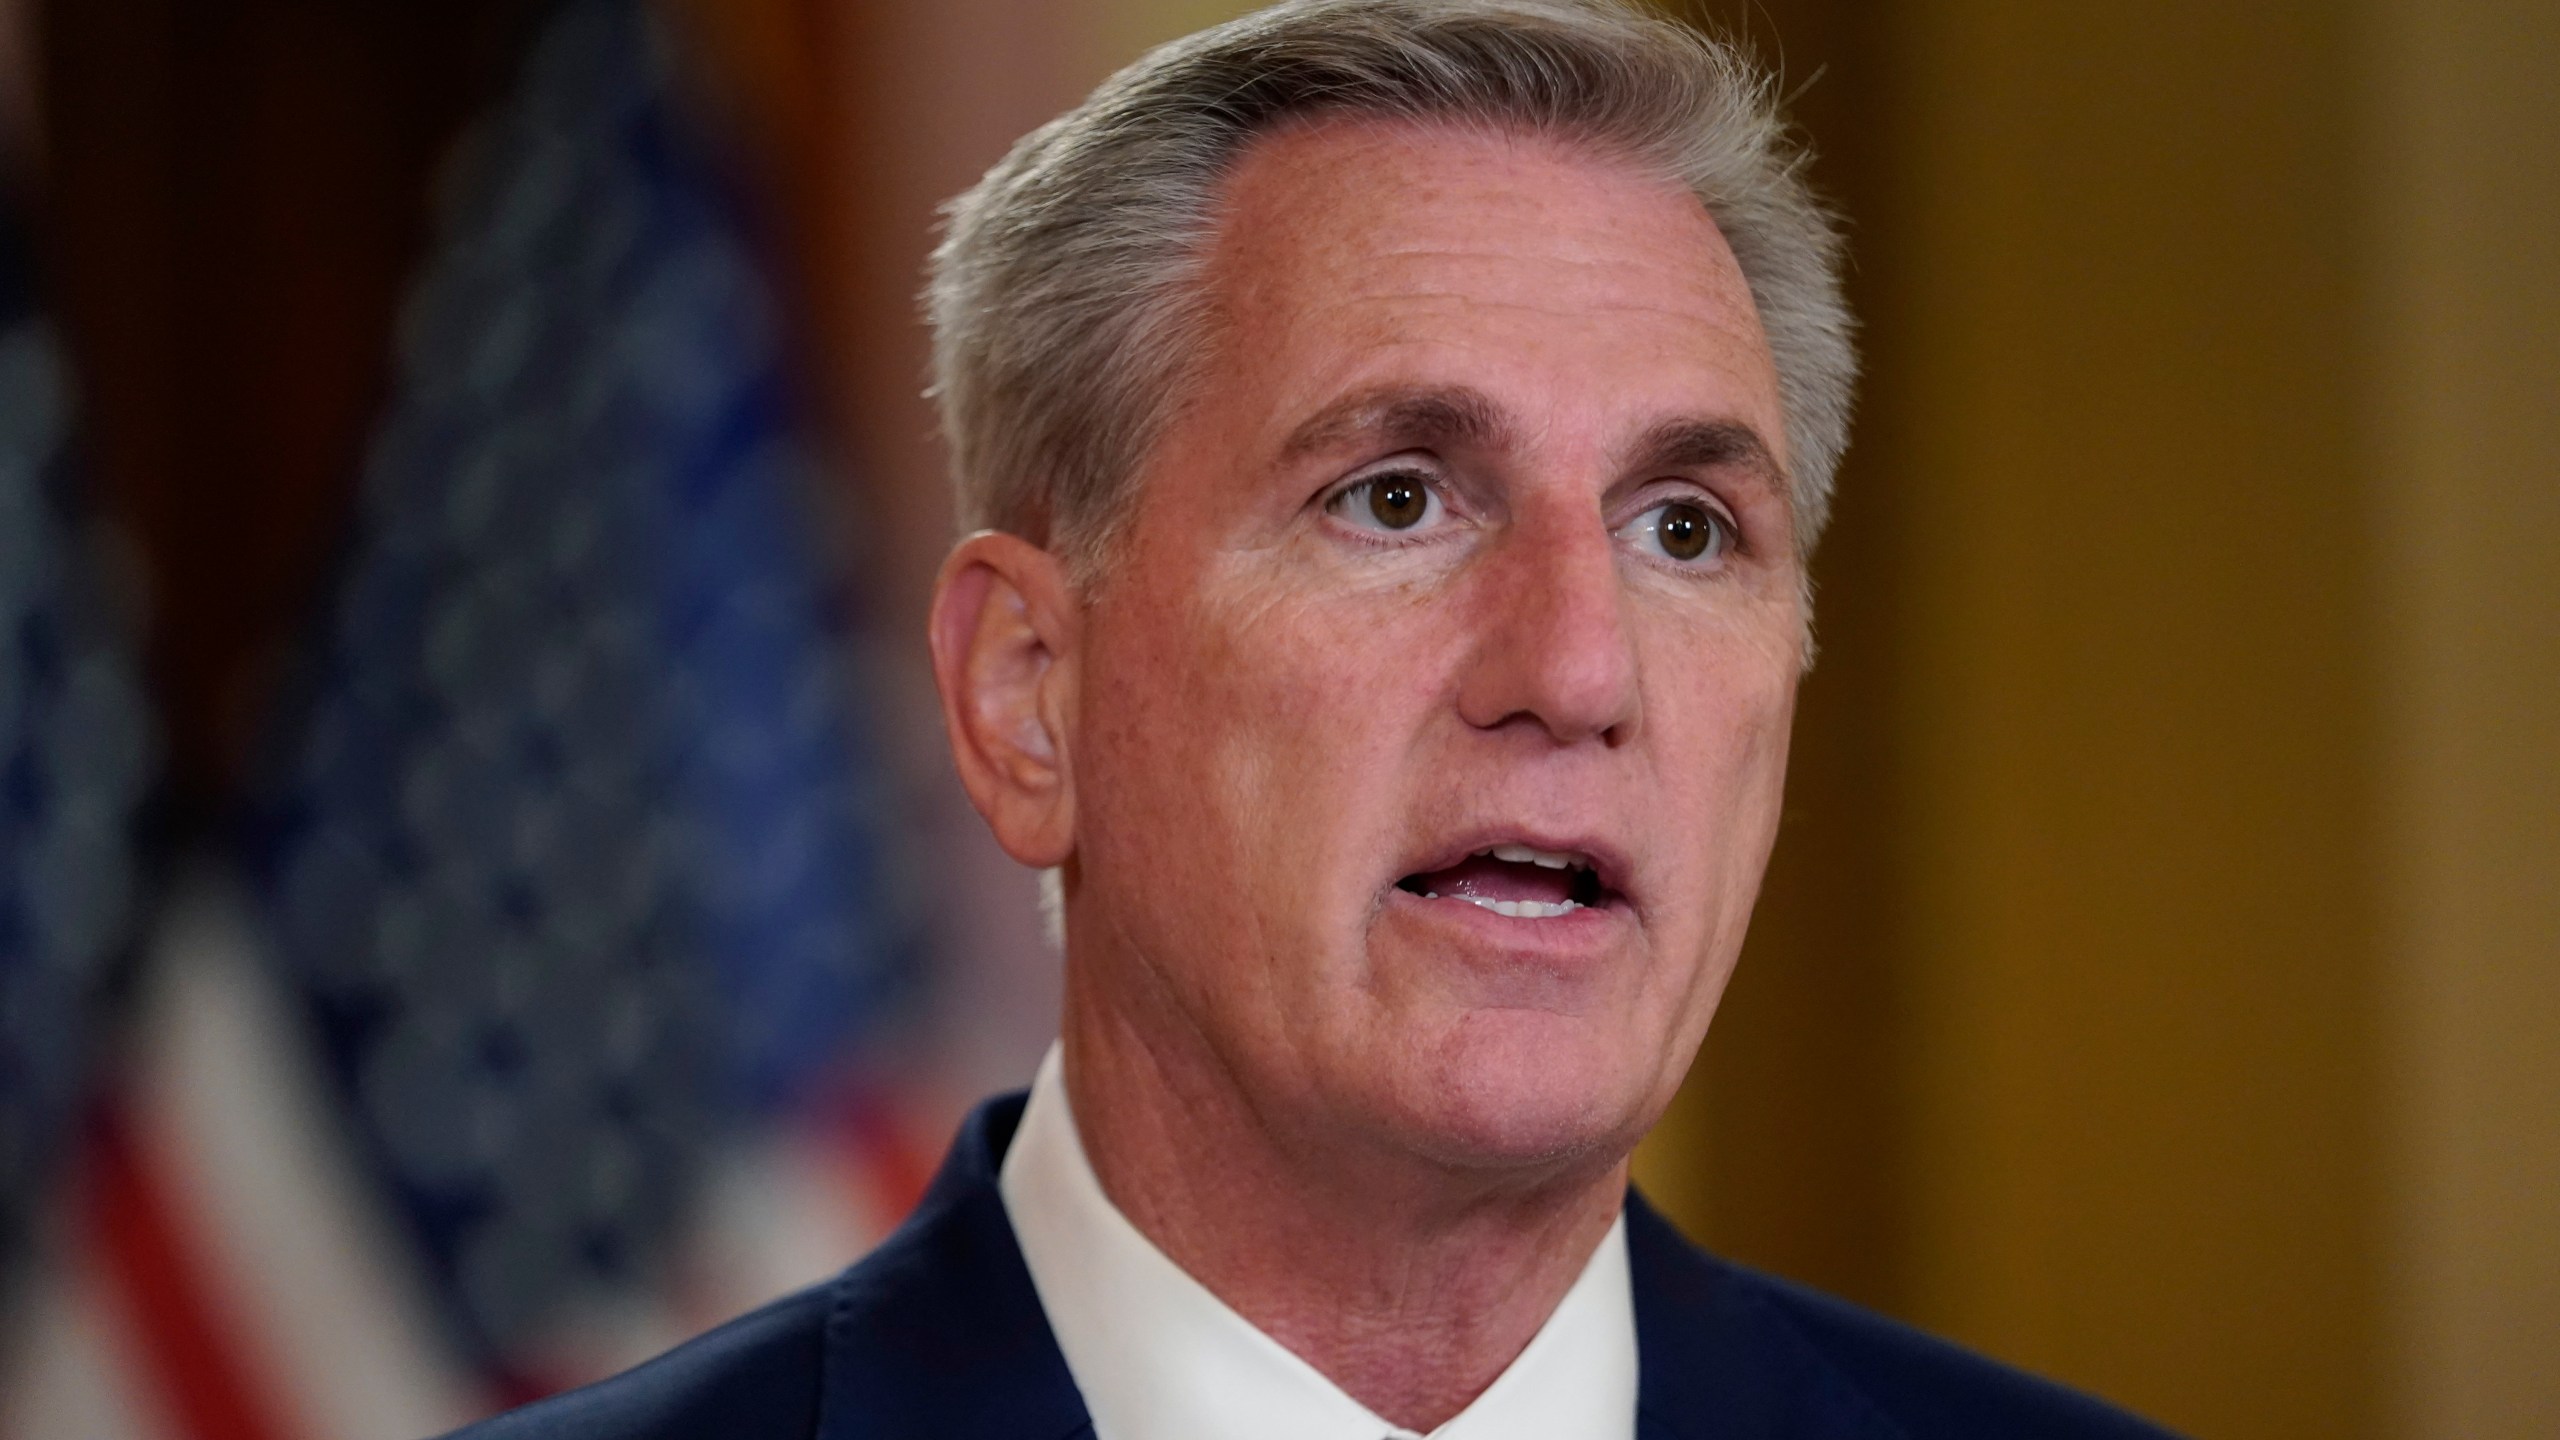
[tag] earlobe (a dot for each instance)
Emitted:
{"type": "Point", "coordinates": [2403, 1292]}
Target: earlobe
{"type": "Point", "coordinates": [1003, 633]}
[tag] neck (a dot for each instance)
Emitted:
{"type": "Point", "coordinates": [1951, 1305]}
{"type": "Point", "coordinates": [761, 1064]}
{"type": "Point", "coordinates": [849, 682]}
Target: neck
{"type": "Point", "coordinates": [1410, 1284]}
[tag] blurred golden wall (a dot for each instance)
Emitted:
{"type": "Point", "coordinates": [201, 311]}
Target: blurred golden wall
{"type": "Point", "coordinates": [2466, 419]}
{"type": "Point", "coordinates": [2120, 394]}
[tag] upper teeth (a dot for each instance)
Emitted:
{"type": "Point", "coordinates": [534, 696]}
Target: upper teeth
{"type": "Point", "coordinates": [1522, 854]}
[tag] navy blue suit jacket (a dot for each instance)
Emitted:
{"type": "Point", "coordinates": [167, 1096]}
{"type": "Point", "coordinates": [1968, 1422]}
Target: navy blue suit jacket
{"type": "Point", "coordinates": [938, 1335]}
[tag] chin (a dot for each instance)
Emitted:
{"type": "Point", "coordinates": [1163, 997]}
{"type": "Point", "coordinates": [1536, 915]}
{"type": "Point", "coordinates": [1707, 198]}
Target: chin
{"type": "Point", "coordinates": [1523, 1089]}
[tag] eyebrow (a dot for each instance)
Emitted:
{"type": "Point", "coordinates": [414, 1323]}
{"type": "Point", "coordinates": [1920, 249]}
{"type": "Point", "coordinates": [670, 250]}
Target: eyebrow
{"type": "Point", "coordinates": [1709, 445]}
{"type": "Point", "coordinates": [1403, 417]}
{"type": "Point", "coordinates": [1407, 417]}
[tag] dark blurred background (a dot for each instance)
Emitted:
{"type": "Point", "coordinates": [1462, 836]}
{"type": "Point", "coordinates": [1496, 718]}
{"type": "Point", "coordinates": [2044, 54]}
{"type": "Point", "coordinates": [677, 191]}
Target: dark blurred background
{"type": "Point", "coordinates": [481, 895]}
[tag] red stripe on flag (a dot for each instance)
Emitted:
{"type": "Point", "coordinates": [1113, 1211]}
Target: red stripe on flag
{"type": "Point", "coordinates": [876, 1134]}
{"type": "Point", "coordinates": [203, 1373]}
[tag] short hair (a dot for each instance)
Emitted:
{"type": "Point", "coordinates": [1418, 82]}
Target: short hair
{"type": "Point", "coordinates": [1065, 297]}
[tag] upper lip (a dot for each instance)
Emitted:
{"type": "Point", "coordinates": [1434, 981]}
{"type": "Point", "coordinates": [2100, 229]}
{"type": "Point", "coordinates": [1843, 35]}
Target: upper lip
{"type": "Point", "coordinates": [1608, 861]}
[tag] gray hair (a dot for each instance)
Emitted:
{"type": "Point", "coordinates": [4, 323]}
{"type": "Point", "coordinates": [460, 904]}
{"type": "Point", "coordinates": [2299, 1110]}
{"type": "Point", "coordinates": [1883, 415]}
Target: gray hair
{"type": "Point", "coordinates": [1064, 296]}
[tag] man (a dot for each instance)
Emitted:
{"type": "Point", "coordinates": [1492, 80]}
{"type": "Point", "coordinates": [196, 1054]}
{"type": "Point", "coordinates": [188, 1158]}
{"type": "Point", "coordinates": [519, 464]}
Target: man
{"type": "Point", "coordinates": [1393, 432]}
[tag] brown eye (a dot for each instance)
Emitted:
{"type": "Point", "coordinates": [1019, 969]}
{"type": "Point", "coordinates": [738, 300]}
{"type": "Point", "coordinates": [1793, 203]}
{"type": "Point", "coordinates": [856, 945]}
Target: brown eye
{"type": "Point", "coordinates": [1398, 502]}
{"type": "Point", "coordinates": [1391, 502]}
{"type": "Point", "coordinates": [1685, 530]}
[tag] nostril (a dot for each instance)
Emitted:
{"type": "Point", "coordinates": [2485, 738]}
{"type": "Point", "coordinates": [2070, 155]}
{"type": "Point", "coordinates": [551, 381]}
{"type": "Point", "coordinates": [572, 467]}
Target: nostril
{"type": "Point", "coordinates": [1558, 657]}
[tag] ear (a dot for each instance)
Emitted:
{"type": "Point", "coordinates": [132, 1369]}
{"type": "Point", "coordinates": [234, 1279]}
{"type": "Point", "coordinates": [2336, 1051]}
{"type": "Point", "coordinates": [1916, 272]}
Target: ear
{"type": "Point", "coordinates": [1003, 632]}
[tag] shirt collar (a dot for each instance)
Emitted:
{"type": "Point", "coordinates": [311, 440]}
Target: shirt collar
{"type": "Point", "coordinates": [1159, 1357]}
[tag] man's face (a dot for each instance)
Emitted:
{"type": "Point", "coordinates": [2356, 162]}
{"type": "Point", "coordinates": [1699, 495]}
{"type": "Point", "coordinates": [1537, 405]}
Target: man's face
{"type": "Point", "coordinates": [1470, 537]}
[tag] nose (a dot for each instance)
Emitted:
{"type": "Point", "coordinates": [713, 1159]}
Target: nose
{"type": "Point", "coordinates": [1552, 645]}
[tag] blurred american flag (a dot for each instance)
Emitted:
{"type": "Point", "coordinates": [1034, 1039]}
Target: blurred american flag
{"type": "Point", "coordinates": [544, 1020]}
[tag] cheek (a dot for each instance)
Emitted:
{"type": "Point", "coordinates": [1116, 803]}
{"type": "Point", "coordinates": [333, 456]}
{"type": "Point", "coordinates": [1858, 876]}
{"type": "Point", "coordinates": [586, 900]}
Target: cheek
{"type": "Point", "coordinates": [1233, 749]}
{"type": "Point", "coordinates": [1727, 704]}
{"type": "Point", "coordinates": [1311, 758]}
{"type": "Point", "coordinates": [1154, 718]}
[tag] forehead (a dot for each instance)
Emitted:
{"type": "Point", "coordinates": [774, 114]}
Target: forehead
{"type": "Point", "coordinates": [1352, 252]}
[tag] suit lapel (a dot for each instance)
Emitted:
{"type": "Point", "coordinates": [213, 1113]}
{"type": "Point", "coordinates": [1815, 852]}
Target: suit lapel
{"type": "Point", "coordinates": [938, 1334]}
{"type": "Point", "coordinates": [1715, 1362]}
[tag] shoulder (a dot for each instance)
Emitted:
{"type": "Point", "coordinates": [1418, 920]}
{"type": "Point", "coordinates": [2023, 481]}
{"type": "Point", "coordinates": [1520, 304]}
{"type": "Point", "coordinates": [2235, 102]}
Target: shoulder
{"type": "Point", "coordinates": [1929, 1387]}
{"type": "Point", "coordinates": [1719, 1338]}
{"type": "Point", "coordinates": [757, 1377]}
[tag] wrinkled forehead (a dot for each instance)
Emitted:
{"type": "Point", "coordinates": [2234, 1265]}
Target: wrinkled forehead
{"type": "Point", "coordinates": [1355, 252]}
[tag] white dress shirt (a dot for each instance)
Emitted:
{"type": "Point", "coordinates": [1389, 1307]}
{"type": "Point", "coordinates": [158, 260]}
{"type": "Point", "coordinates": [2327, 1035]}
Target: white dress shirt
{"type": "Point", "coordinates": [1160, 1358]}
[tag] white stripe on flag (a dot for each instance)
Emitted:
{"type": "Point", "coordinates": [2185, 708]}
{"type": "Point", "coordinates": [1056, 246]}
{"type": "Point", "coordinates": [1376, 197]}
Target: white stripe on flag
{"type": "Point", "coordinates": [72, 1374]}
{"type": "Point", "coordinates": [231, 1097]}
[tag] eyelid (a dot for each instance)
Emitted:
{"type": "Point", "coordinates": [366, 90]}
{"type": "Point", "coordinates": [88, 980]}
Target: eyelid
{"type": "Point", "coordinates": [1403, 462]}
{"type": "Point", "coordinates": [1654, 494]}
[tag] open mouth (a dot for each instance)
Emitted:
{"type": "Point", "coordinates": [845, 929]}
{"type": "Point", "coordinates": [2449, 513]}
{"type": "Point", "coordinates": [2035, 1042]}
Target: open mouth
{"type": "Point", "coordinates": [1516, 880]}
